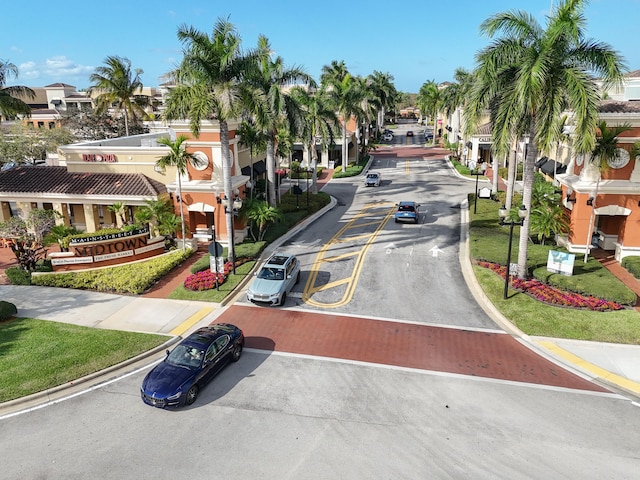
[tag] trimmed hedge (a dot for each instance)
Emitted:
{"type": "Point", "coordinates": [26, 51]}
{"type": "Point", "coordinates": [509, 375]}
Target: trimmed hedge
{"type": "Point", "coordinates": [632, 265]}
{"type": "Point", "coordinates": [18, 276]}
{"type": "Point", "coordinates": [133, 278]}
{"type": "Point", "coordinates": [7, 310]}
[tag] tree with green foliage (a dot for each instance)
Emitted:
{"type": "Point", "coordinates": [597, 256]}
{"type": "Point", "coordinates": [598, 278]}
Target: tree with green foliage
{"type": "Point", "coordinates": [261, 214]}
{"type": "Point", "coordinates": [429, 100]}
{"type": "Point", "coordinates": [345, 95]}
{"type": "Point", "coordinates": [10, 105]}
{"type": "Point", "coordinates": [320, 121]}
{"type": "Point", "coordinates": [209, 84]}
{"type": "Point", "coordinates": [550, 70]}
{"type": "Point", "coordinates": [178, 157]}
{"type": "Point", "coordinates": [120, 87]}
{"type": "Point", "coordinates": [276, 110]}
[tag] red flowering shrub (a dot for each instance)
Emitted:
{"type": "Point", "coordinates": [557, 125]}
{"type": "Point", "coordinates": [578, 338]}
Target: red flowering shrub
{"type": "Point", "coordinates": [550, 295]}
{"type": "Point", "coordinates": [206, 279]}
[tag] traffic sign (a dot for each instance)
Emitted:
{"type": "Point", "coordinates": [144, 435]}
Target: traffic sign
{"type": "Point", "coordinates": [215, 249]}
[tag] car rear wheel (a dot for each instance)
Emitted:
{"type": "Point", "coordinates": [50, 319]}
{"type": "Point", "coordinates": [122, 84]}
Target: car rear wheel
{"type": "Point", "coordinates": [237, 353]}
{"type": "Point", "coordinates": [192, 394]}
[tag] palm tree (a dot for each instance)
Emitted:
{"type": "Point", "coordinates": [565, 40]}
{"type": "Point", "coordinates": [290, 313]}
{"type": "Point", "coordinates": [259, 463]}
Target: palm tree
{"type": "Point", "coordinates": [208, 84]}
{"type": "Point", "coordinates": [117, 86]}
{"type": "Point", "coordinates": [10, 106]}
{"type": "Point", "coordinates": [276, 108]}
{"type": "Point", "coordinates": [551, 71]}
{"type": "Point", "coordinates": [430, 100]}
{"type": "Point", "coordinates": [118, 209]}
{"type": "Point", "coordinates": [320, 120]}
{"type": "Point", "coordinates": [345, 95]}
{"type": "Point", "coordinates": [385, 93]}
{"type": "Point", "coordinates": [255, 140]}
{"type": "Point", "coordinates": [605, 150]}
{"type": "Point", "coordinates": [261, 213]}
{"type": "Point", "coordinates": [177, 157]}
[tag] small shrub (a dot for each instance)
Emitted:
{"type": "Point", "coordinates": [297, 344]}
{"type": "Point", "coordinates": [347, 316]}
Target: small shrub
{"type": "Point", "coordinates": [18, 276]}
{"type": "Point", "coordinates": [632, 264]}
{"type": "Point", "coordinates": [7, 310]}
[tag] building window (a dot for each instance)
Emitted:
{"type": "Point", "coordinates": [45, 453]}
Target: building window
{"type": "Point", "coordinates": [40, 124]}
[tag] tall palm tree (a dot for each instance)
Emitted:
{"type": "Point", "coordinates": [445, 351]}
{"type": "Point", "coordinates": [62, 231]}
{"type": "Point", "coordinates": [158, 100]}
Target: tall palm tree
{"type": "Point", "coordinates": [10, 106]}
{"type": "Point", "coordinates": [605, 150]}
{"type": "Point", "coordinates": [430, 100]}
{"type": "Point", "coordinates": [177, 157]}
{"type": "Point", "coordinates": [276, 108]}
{"type": "Point", "coordinates": [345, 95]}
{"type": "Point", "coordinates": [385, 93]}
{"type": "Point", "coordinates": [209, 84]}
{"type": "Point", "coordinates": [551, 70]}
{"type": "Point", "coordinates": [118, 86]}
{"type": "Point", "coordinates": [255, 140]}
{"type": "Point", "coordinates": [320, 121]}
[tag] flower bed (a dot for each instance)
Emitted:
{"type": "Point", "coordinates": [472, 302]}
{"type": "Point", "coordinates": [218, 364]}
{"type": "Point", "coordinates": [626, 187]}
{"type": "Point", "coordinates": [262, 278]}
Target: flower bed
{"type": "Point", "coordinates": [206, 279]}
{"type": "Point", "coordinates": [552, 296]}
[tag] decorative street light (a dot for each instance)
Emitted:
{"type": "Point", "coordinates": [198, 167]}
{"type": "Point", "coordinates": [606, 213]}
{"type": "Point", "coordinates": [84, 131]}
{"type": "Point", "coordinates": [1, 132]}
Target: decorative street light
{"type": "Point", "coordinates": [506, 220]}
{"type": "Point", "coordinates": [479, 171]}
{"type": "Point", "coordinates": [233, 208]}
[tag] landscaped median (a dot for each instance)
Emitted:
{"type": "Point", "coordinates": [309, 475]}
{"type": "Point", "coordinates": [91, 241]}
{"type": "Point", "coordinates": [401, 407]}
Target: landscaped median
{"type": "Point", "coordinates": [538, 316]}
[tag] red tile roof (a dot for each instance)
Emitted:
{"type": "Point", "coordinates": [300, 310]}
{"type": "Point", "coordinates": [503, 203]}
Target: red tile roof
{"type": "Point", "coordinates": [617, 106]}
{"type": "Point", "coordinates": [57, 180]}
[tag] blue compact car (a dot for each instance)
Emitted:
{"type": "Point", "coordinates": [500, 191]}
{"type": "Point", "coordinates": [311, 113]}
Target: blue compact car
{"type": "Point", "coordinates": [178, 379]}
{"type": "Point", "coordinates": [407, 211]}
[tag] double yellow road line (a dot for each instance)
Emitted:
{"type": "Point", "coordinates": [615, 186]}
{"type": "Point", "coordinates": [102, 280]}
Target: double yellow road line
{"type": "Point", "coordinates": [356, 245]}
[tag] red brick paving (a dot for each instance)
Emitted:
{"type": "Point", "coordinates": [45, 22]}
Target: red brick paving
{"type": "Point", "coordinates": [464, 352]}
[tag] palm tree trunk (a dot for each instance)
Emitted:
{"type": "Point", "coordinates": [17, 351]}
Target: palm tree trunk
{"type": "Point", "coordinates": [527, 193]}
{"type": "Point", "coordinates": [511, 177]}
{"type": "Point", "coordinates": [126, 122]}
{"type": "Point", "coordinates": [271, 173]}
{"type": "Point", "coordinates": [228, 186]}
{"type": "Point", "coordinates": [345, 145]}
{"type": "Point", "coordinates": [314, 167]}
{"type": "Point", "coordinates": [184, 243]}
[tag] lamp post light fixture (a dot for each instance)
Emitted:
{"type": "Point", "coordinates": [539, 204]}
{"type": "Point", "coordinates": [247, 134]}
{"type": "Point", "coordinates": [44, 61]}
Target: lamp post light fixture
{"type": "Point", "coordinates": [479, 171]}
{"type": "Point", "coordinates": [505, 220]}
{"type": "Point", "coordinates": [233, 208]}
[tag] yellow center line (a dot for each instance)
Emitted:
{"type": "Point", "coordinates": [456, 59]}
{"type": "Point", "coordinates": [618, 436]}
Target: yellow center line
{"type": "Point", "coordinates": [352, 280]}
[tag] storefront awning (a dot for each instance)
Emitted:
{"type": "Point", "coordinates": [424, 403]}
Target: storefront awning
{"type": "Point", "coordinates": [550, 165]}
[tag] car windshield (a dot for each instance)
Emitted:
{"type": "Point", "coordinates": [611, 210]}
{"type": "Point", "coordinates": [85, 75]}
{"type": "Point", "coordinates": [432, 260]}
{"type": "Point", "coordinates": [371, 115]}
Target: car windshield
{"type": "Point", "coordinates": [186, 356]}
{"type": "Point", "coordinates": [406, 208]}
{"type": "Point", "coordinates": [270, 273]}
{"type": "Point", "coordinates": [372, 175]}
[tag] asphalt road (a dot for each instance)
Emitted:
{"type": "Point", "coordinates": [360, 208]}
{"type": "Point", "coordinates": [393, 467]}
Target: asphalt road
{"type": "Point", "coordinates": [314, 398]}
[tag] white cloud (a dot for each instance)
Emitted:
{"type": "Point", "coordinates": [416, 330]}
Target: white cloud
{"type": "Point", "coordinates": [61, 67]}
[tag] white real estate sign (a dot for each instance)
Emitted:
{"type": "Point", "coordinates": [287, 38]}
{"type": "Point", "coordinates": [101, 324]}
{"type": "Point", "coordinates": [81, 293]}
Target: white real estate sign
{"type": "Point", "coordinates": [560, 262]}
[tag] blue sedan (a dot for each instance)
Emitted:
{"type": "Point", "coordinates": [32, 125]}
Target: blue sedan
{"type": "Point", "coordinates": [407, 211]}
{"type": "Point", "coordinates": [178, 379]}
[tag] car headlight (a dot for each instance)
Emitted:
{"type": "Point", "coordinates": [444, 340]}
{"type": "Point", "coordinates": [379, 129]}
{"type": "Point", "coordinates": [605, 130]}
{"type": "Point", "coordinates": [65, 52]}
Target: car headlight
{"type": "Point", "coordinates": [175, 397]}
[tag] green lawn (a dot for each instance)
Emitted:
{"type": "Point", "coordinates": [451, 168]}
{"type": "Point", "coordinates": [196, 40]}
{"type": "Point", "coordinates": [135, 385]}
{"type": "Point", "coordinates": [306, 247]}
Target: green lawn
{"type": "Point", "coordinates": [36, 355]}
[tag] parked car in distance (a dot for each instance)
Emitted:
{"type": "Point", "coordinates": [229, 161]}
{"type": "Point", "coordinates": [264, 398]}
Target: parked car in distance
{"type": "Point", "coordinates": [428, 136]}
{"type": "Point", "coordinates": [372, 179]}
{"type": "Point", "coordinates": [387, 137]}
{"type": "Point", "coordinates": [409, 133]}
{"type": "Point", "coordinates": [407, 211]}
{"type": "Point", "coordinates": [386, 130]}
{"type": "Point", "coordinates": [275, 279]}
{"type": "Point", "coordinates": [177, 380]}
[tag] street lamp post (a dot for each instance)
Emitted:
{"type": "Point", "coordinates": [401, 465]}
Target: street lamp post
{"type": "Point", "coordinates": [233, 208]}
{"type": "Point", "coordinates": [503, 213]}
{"type": "Point", "coordinates": [475, 198]}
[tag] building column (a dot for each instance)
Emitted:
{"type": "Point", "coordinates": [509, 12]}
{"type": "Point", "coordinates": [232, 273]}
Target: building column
{"type": "Point", "coordinates": [5, 211]}
{"type": "Point", "coordinates": [90, 217]}
{"type": "Point", "coordinates": [63, 217]}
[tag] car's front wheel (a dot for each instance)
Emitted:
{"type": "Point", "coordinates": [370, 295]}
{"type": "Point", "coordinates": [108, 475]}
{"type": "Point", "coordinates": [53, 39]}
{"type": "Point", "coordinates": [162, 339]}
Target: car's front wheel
{"type": "Point", "coordinates": [192, 394]}
{"type": "Point", "coordinates": [298, 278]}
{"type": "Point", "coordinates": [283, 299]}
{"type": "Point", "coordinates": [237, 353]}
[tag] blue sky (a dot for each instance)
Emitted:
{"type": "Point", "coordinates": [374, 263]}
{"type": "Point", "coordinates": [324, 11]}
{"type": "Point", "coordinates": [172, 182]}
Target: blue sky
{"type": "Point", "coordinates": [413, 41]}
